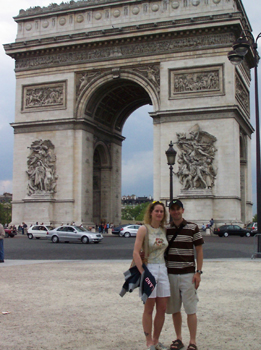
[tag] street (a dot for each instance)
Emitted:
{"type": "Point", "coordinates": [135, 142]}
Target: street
{"type": "Point", "coordinates": [114, 247]}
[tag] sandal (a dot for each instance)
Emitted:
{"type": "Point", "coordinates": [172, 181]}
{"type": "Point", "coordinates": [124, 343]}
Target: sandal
{"type": "Point", "coordinates": [177, 345]}
{"type": "Point", "coordinates": [192, 347]}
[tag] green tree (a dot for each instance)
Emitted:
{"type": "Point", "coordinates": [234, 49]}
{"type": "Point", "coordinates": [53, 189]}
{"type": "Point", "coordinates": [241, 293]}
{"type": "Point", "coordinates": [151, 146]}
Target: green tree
{"type": "Point", "coordinates": [136, 212]}
{"type": "Point", "coordinates": [255, 218]}
{"type": "Point", "coordinates": [5, 213]}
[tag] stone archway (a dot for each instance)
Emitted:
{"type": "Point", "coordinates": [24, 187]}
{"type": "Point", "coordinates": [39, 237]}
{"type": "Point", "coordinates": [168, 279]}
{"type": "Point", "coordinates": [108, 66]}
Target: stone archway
{"type": "Point", "coordinates": [105, 103]}
{"type": "Point", "coordinates": [83, 67]}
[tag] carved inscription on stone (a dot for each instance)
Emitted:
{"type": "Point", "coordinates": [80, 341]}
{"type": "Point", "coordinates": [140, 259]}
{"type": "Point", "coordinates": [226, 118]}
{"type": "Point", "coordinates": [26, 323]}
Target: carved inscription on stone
{"type": "Point", "coordinates": [44, 96]}
{"type": "Point", "coordinates": [123, 51]}
{"type": "Point", "coordinates": [41, 166]}
{"type": "Point", "coordinates": [242, 95]}
{"type": "Point", "coordinates": [191, 82]}
{"type": "Point", "coordinates": [196, 156]}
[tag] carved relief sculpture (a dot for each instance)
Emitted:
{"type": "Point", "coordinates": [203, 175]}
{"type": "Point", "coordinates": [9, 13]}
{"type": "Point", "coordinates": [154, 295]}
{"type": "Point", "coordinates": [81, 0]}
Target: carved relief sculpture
{"type": "Point", "coordinates": [190, 82]}
{"type": "Point", "coordinates": [44, 96]}
{"type": "Point", "coordinates": [124, 51]}
{"type": "Point", "coordinates": [196, 156]}
{"type": "Point", "coordinates": [41, 171]}
{"type": "Point", "coordinates": [242, 95]}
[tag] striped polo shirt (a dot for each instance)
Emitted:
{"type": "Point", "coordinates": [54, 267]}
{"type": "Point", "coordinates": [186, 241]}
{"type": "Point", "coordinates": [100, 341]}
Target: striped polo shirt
{"type": "Point", "coordinates": [181, 253]}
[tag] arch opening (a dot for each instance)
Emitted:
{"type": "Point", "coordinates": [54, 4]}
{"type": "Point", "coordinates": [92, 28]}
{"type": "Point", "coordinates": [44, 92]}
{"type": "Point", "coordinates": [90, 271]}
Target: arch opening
{"type": "Point", "coordinates": [114, 101]}
{"type": "Point", "coordinates": [109, 106]}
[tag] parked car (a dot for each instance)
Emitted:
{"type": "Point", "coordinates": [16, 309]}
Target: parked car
{"type": "Point", "coordinates": [73, 234]}
{"type": "Point", "coordinates": [38, 231]}
{"type": "Point", "coordinates": [117, 230]}
{"type": "Point", "coordinates": [253, 227]}
{"type": "Point", "coordinates": [227, 230]}
{"type": "Point", "coordinates": [129, 230]}
{"type": "Point", "coordinates": [10, 232]}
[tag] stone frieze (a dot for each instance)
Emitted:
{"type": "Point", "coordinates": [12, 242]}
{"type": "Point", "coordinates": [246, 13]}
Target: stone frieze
{"type": "Point", "coordinates": [44, 96]}
{"type": "Point", "coordinates": [190, 82]}
{"type": "Point", "coordinates": [242, 94]}
{"type": "Point", "coordinates": [124, 51]}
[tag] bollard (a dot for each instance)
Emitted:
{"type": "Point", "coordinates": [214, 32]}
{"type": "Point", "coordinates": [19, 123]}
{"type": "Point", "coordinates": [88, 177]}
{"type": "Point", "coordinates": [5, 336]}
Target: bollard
{"type": "Point", "coordinates": [110, 231]}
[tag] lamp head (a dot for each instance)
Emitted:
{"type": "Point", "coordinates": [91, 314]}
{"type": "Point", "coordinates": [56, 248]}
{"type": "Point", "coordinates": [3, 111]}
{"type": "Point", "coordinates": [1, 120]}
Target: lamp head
{"type": "Point", "coordinates": [171, 154]}
{"type": "Point", "coordinates": [234, 57]}
{"type": "Point", "coordinates": [241, 46]}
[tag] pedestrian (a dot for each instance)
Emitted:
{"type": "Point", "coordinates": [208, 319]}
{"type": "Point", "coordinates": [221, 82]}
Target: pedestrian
{"type": "Point", "coordinates": [184, 274]}
{"type": "Point", "coordinates": [2, 236]}
{"type": "Point", "coordinates": [154, 219]}
{"type": "Point", "coordinates": [203, 227]}
{"type": "Point", "coordinates": [24, 226]}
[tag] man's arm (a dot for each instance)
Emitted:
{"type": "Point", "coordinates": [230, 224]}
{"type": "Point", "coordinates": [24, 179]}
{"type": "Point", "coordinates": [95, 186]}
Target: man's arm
{"type": "Point", "coordinates": [199, 258]}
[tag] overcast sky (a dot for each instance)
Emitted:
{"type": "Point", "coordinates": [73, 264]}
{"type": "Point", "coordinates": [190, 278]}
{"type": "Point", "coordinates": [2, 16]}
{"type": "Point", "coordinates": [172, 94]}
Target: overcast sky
{"type": "Point", "coordinates": [137, 162]}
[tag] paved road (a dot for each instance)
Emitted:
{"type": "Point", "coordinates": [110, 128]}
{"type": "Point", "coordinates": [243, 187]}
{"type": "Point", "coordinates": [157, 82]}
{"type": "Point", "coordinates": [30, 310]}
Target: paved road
{"type": "Point", "coordinates": [114, 247]}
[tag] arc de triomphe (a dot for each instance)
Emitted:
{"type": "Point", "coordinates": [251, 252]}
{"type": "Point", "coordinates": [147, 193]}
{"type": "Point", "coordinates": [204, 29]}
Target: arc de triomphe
{"type": "Point", "coordinates": [83, 67]}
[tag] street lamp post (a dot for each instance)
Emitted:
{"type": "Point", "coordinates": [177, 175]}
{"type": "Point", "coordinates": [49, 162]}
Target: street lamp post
{"type": "Point", "coordinates": [171, 156]}
{"type": "Point", "coordinates": [241, 47]}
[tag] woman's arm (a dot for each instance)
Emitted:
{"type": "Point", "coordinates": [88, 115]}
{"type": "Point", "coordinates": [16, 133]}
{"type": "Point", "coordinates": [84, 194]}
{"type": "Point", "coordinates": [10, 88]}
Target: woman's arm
{"type": "Point", "coordinates": [138, 246]}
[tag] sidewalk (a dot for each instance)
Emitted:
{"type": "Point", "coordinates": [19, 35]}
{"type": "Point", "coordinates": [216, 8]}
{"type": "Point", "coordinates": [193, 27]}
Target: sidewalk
{"type": "Point", "coordinates": [75, 305]}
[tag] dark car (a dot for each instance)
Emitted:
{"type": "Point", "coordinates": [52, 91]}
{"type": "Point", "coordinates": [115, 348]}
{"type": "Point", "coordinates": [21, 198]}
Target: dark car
{"type": "Point", "coordinates": [235, 230]}
{"type": "Point", "coordinates": [117, 230]}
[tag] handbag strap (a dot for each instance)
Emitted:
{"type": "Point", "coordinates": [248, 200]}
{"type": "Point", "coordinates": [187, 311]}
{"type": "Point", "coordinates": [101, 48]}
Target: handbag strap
{"type": "Point", "coordinates": [173, 238]}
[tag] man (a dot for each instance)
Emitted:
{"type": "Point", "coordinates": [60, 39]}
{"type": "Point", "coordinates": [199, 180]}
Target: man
{"type": "Point", "coordinates": [2, 236]}
{"type": "Point", "coordinates": [184, 276]}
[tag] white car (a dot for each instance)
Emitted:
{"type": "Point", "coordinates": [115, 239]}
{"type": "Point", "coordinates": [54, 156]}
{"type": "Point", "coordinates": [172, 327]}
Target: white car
{"type": "Point", "coordinates": [73, 233]}
{"type": "Point", "coordinates": [38, 231]}
{"type": "Point", "coordinates": [129, 230]}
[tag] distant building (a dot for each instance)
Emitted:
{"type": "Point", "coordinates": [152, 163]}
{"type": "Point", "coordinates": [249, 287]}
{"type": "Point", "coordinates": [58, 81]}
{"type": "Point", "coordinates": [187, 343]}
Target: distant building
{"type": "Point", "coordinates": [6, 197]}
{"type": "Point", "coordinates": [134, 200]}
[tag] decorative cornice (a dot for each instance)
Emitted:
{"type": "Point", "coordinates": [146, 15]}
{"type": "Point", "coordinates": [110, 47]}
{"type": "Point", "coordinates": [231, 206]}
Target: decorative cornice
{"type": "Point", "coordinates": [65, 124]}
{"type": "Point", "coordinates": [65, 6]}
{"type": "Point", "coordinates": [204, 114]}
{"type": "Point", "coordinates": [148, 46]}
{"type": "Point", "coordinates": [152, 28]}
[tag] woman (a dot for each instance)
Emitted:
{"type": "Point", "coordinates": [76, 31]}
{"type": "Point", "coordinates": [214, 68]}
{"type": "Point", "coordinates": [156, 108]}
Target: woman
{"type": "Point", "coordinates": [154, 219]}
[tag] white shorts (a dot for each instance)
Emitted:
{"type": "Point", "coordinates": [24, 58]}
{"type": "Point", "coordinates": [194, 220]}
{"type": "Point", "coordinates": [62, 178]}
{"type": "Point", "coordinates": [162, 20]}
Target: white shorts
{"type": "Point", "coordinates": [162, 289]}
{"type": "Point", "coordinates": [182, 291]}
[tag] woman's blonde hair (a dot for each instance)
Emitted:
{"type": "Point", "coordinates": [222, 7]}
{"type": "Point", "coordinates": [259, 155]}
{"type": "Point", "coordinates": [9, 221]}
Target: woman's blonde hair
{"type": "Point", "coordinates": [149, 210]}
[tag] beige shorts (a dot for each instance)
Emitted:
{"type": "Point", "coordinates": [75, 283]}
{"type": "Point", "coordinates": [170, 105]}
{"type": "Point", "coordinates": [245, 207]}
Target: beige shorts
{"type": "Point", "coordinates": [182, 291]}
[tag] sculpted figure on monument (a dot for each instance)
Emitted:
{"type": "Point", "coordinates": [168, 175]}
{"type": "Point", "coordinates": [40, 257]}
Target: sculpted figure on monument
{"type": "Point", "coordinates": [196, 169]}
{"type": "Point", "coordinates": [44, 96]}
{"type": "Point", "coordinates": [197, 82]}
{"type": "Point", "coordinates": [41, 168]}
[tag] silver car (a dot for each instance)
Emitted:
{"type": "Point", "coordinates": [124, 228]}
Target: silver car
{"type": "Point", "coordinates": [129, 230]}
{"type": "Point", "coordinates": [74, 234]}
{"type": "Point", "coordinates": [38, 231]}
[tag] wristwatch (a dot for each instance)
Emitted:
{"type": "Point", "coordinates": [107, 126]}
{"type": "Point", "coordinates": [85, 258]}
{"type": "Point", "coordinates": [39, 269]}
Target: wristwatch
{"type": "Point", "coordinates": [199, 271]}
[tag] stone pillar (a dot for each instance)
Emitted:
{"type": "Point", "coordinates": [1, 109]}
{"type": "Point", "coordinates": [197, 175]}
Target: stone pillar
{"type": "Point", "coordinates": [116, 152]}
